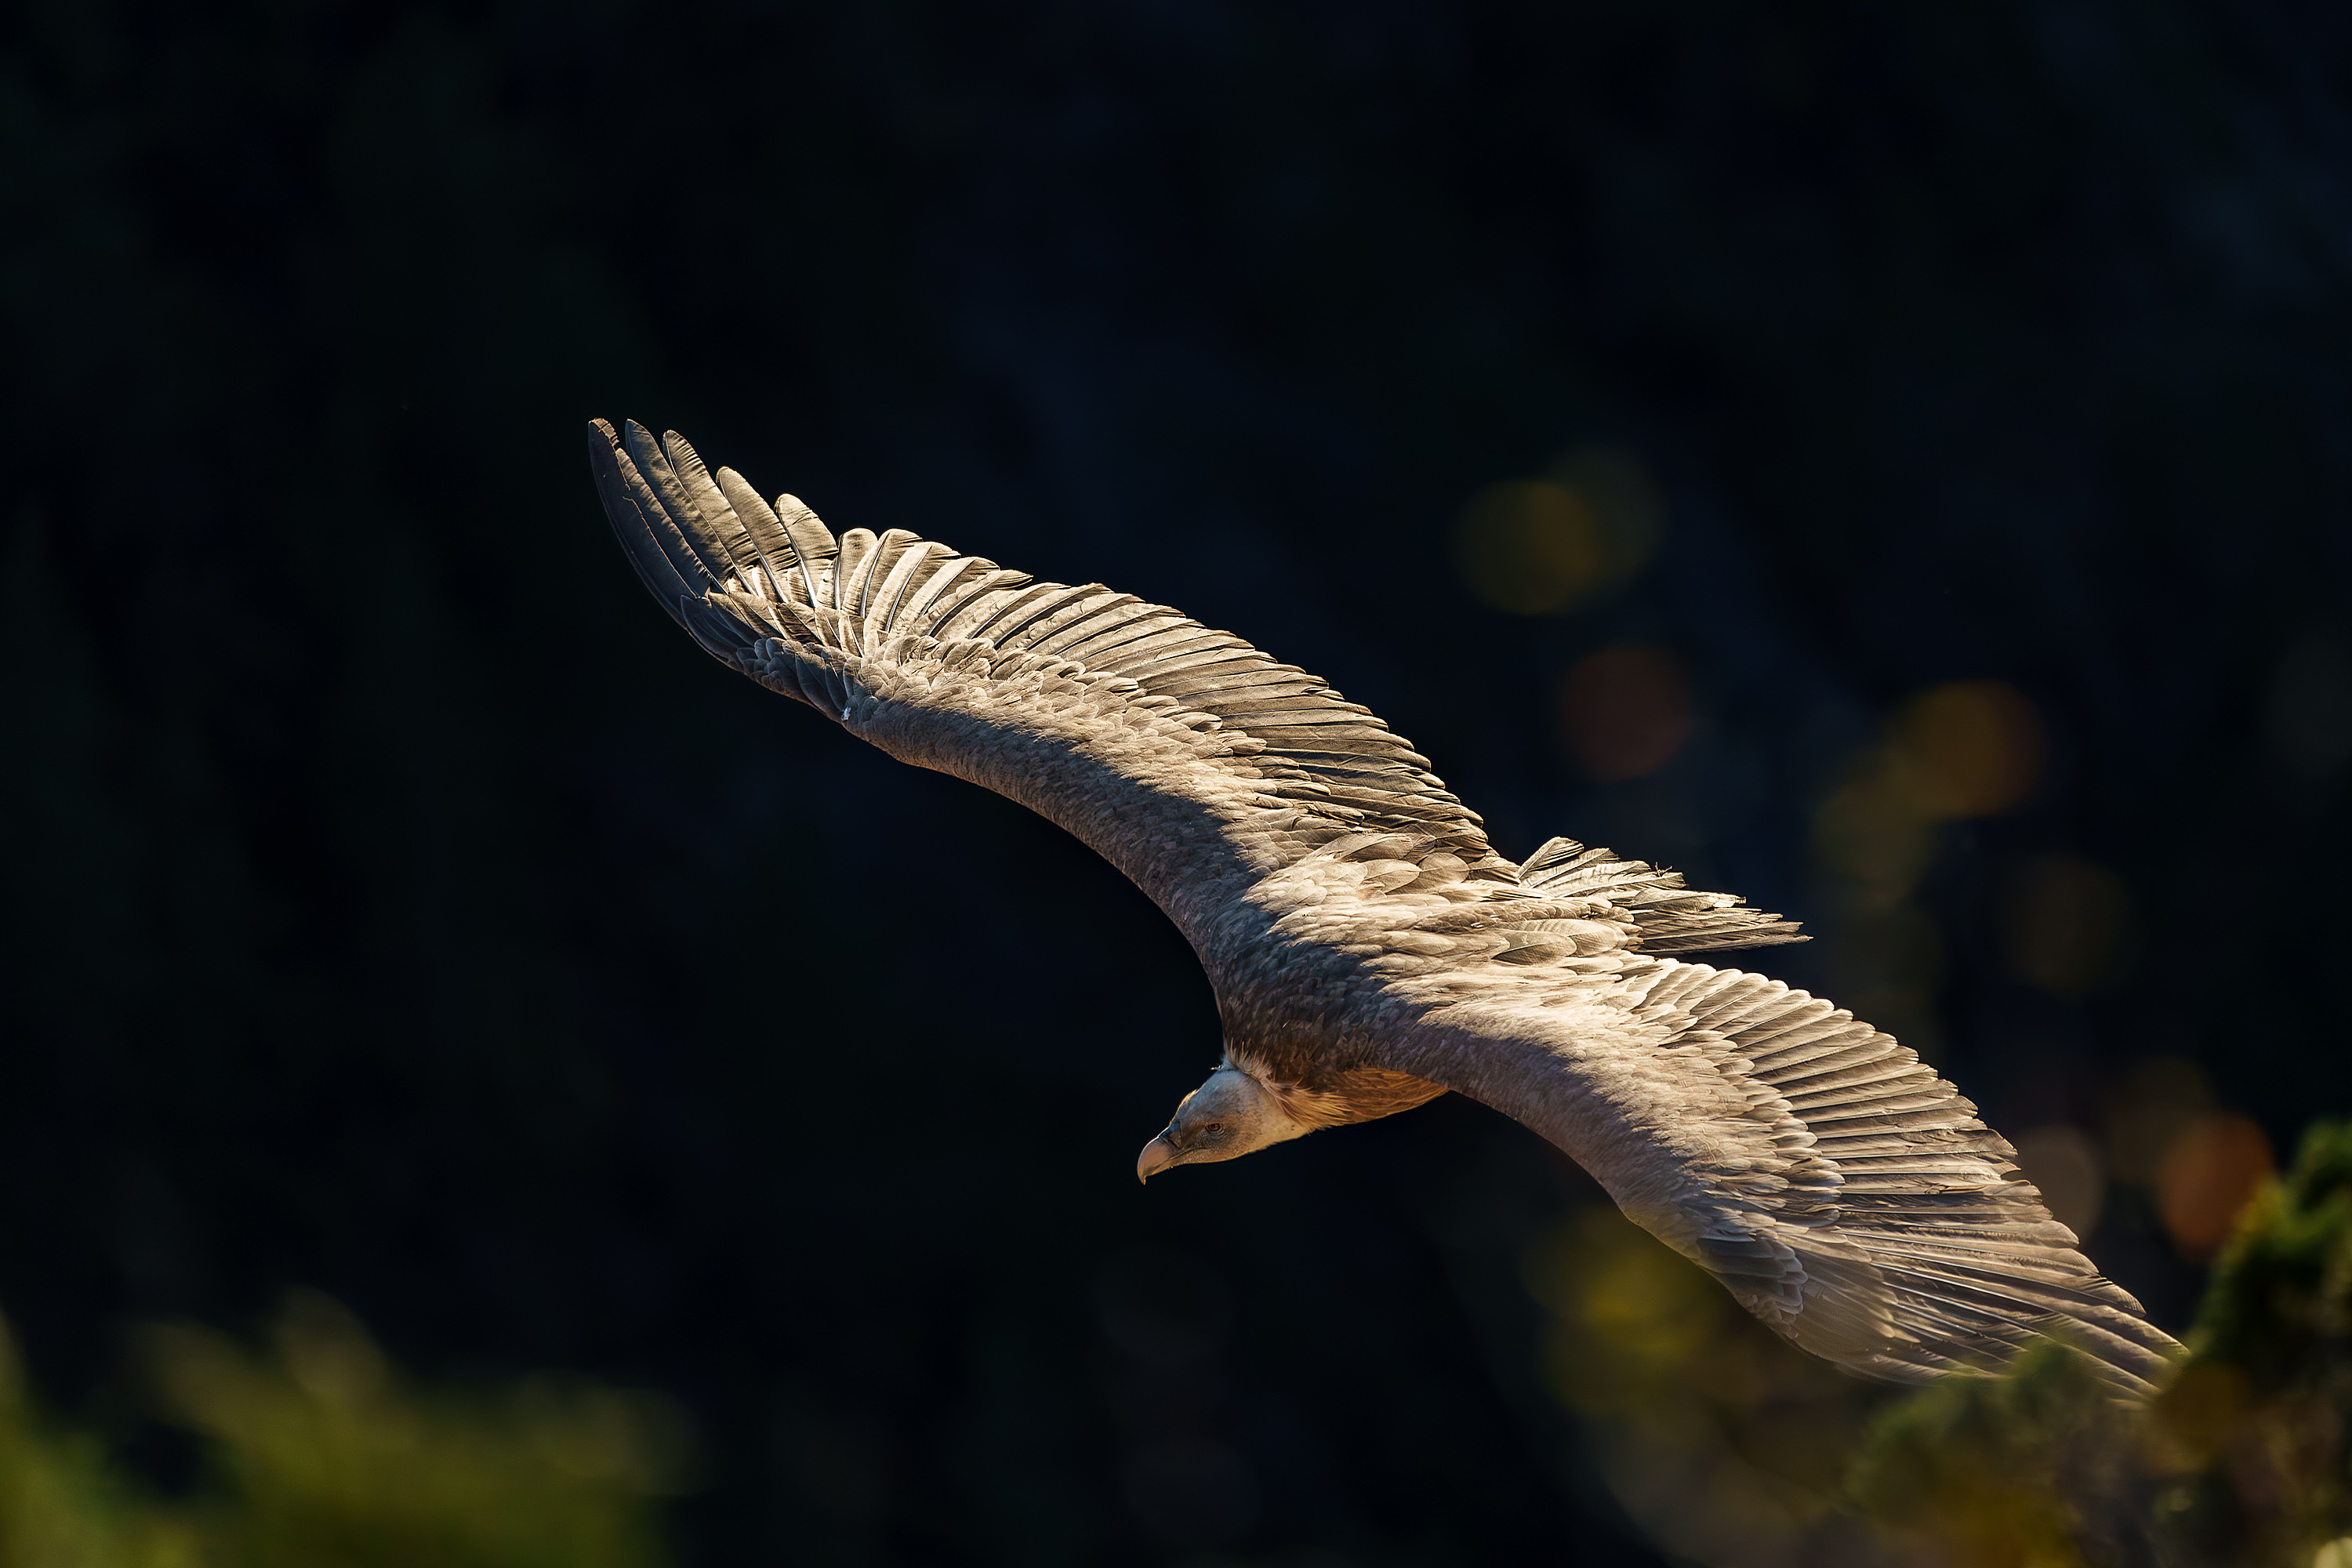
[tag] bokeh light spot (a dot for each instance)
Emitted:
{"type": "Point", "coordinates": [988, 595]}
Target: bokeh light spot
{"type": "Point", "coordinates": [1723, 1441]}
{"type": "Point", "coordinates": [1872, 835]}
{"type": "Point", "coordinates": [1614, 484]}
{"type": "Point", "coordinates": [1967, 748]}
{"type": "Point", "coordinates": [1535, 547]}
{"type": "Point", "coordinates": [1646, 1309]}
{"type": "Point", "coordinates": [2147, 1110]}
{"type": "Point", "coordinates": [2212, 1168]}
{"type": "Point", "coordinates": [2064, 1162]}
{"type": "Point", "coordinates": [1625, 711]}
{"type": "Point", "coordinates": [2067, 924]}
{"type": "Point", "coordinates": [1529, 546]}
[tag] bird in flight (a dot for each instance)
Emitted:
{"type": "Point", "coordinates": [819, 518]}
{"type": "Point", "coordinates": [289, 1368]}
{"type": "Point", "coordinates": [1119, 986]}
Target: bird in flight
{"type": "Point", "coordinates": [1370, 951]}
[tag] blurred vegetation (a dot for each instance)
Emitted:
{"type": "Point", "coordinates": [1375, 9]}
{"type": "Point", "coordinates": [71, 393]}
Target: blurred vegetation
{"type": "Point", "coordinates": [2240, 1458]}
{"type": "Point", "coordinates": [1736, 1451]}
{"type": "Point", "coordinates": [318, 1453]}
{"type": "Point", "coordinates": [1727, 1445]}
{"type": "Point", "coordinates": [1720, 1441]}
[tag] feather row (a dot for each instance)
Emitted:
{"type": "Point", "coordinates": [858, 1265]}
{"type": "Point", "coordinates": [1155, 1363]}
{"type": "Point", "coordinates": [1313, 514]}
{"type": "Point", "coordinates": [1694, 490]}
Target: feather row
{"type": "Point", "coordinates": [769, 590]}
{"type": "Point", "coordinates": [1931, 1217]}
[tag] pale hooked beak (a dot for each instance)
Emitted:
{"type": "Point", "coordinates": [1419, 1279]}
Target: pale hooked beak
{"type": "Point", "coordinates": [1158, 1155]}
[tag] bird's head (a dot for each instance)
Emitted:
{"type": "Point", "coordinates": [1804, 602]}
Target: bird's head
{"type": "Point", "coordinates": [1231, 1115]}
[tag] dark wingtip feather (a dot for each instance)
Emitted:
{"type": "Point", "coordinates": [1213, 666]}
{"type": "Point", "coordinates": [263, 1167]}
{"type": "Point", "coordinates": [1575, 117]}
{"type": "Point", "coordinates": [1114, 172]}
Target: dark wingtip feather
{"type": "Point", "coordinates": [653, 569]}
{"type": "Point", "coordinates": [664, 559]}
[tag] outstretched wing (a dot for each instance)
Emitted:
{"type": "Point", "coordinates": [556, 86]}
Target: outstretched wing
{"type": "Point", "coordinates": [1838, 1187]}
{"type": "Point", "coordinates": [1183, 754]}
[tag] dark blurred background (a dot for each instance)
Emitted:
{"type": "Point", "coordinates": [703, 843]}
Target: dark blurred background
{"type": "Point", "coordinates": [1893, 465]}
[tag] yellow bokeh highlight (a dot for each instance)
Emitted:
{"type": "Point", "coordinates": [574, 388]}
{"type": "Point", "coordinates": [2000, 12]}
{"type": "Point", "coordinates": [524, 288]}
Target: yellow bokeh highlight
{"type": "Point", "coordinates": [1873, 838]}
{"type": "Point", "coordinates": [1529, 546]}
{"type": "Point", "coordinates": [1722, 1441]}
{"type": "Point", "coordinates": [2067, 924]}
{"type": "Point", "coordinates": [1622, 1289]}
{"type": "Point", "coordinates": [1967, 748]}
{"type": "Point", "coordinates": [1536, 547]}
{"type": "Point", "coordinates": [1963, 749]}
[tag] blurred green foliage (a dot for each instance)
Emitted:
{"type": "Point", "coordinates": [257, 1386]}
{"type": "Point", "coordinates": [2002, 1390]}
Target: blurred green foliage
{"type": "Point", "coordinates": [1733, 1449]}
{"type": "Point", "coordinates": [2027, 1469]}
{"type": "Point", "coordinates": [2253, 1430]}
{"type": "Point", "coordinates": [2240, 1459]}
{"type": "Point", "coordinates": [62, 1505]}
{"type": "Point", "coordinates": [319, 1454]}
{"type": "Point", "coordinates": [1723, 1442]}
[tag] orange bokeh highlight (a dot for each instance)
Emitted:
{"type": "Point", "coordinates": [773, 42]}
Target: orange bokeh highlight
{"type": "Point", "coordinates": [2210, 1170]}
{"type": "Point", "coordinates": [1531, 547]}
{"type": "Point", "coordinates": [1967, 748]}
{"type": "Point", "coordinates": [1625, 711]}
{"type": "Point", "coordinates": [1541, 546]}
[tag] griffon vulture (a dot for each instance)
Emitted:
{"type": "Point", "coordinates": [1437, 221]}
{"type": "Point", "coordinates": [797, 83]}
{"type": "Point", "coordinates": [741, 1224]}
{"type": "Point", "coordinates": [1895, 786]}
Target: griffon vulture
{"type": "Point", "coordinates": [1370, 951]}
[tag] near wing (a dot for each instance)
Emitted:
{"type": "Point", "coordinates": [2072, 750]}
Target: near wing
{"type": "Point", "coordinates": [1838, 1187]}
{"type": "Point", "coordinates": [1175, 751]}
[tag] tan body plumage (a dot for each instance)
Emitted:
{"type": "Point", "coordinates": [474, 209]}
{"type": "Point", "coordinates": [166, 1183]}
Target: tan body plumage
{"type": "Point", "coordinates": [1370, 950]}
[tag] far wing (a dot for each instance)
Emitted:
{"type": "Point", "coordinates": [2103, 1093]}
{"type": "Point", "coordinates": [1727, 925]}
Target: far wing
{"type": "Point", "coordinates": [1838, 1187]}
{"type": "Point", "coordinates": [1183, 754]}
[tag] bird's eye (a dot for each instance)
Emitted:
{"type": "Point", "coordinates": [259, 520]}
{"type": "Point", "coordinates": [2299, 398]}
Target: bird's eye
{"type": "Point", "coordinates": [1212, 1126]}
